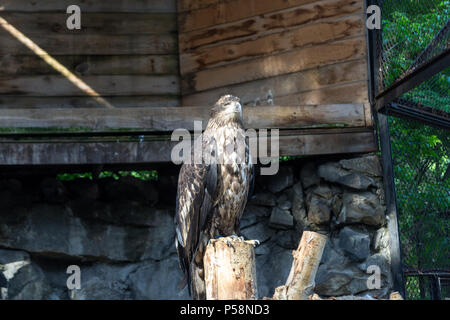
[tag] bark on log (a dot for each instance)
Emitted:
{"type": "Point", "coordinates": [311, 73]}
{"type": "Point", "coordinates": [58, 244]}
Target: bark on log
{"type": "Point", "coordinates": [300, 283]}
{"type": "Point", "coordinates": [230, 271]}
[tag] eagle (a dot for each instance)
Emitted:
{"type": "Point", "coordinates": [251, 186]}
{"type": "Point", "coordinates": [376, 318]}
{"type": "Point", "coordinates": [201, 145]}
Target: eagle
{"type": "Point", "coordinates": [212, 193]}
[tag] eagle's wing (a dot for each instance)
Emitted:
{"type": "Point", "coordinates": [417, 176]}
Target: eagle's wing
{"type": "Point", "coordinates": [196, 187]}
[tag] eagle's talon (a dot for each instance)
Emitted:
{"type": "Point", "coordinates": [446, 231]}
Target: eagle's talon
{"type": "Point", "coordinates": [255, 243]}
{"type": "Point", "coordinates": [235, 237]}
{"type": "Point", "coordinates": [230, 245]}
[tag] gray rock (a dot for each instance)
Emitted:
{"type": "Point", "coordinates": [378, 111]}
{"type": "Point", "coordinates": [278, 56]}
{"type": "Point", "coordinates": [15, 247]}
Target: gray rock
{"type": "Point", "coordinates": [60, 233]}
{"type": "Point", "coordinates": [298, 206]}
{"type": "Point", "coordinates": [281, 219]}
{"type": "Point", "coordinates": [129, 188]}
{"type": "Point", "coordinates": [339, 282]}
{"type": "Point", "coordinates": [323, 190]}
{"type": "Point", "coordinates": [262, 249]}
{"type": "Point", "coordinates": [259, 231]}
{"type": "Point", "coordinates": [336, 205]}
{"type": "Point", "coordinates": [381, 239]}
{"type": "Point", "coordinates": [147, 281]}
{"type": "Point", "coordinates": [318, 210]}
{"type": "Point", "coordinates": [13, 185]}
{"type": "Point", "coordinates": [53, 190]}
{"type": "Point", "coordinates": [355, 244]}
{"type": "Point", "coordinates": [263, 199]}
{"type": "Point", "coordinates": [253, 214]}
{"type": "Point", "coordinates": [122, 212]}
{"type": "Point", "coordinates": [28, 283]}
{"type": "Point", "coordinates": [333, 258]}
{"type": "Point", "coordinates": [287, 239]}
{"type": "Point", "coordinates": [272, 270]}
{"type": "Point", "coordinates": [9, 256]}
{"type": "Point", "coordinates": [379, 260]}
{"type": "Point", "coordinates": [332, 172]}
{"type": "Point", "coordinates": [101, 281]}
{"type": "Point", "coordinates": [83, 188]}
{"type": "Point", "coordinates": [367, 165]}
{"type": "Point", "coordinates": [362, 207]}
{"type": "Point", "coordinates": [98, 289]}
{"type": "Point", "coordinates": [285, 205]}
{"type": "Point", "coordinates": [308, 175]}
{"type": "Point", "coordinates": [282, 180]}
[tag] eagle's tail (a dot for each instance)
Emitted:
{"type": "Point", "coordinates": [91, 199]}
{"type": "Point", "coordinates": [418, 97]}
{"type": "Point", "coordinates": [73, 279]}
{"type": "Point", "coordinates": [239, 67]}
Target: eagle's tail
{"type": "Point", "coordinates": [185, 267]}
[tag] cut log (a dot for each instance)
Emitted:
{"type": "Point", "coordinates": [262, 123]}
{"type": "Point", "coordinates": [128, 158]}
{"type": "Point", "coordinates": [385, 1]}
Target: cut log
{"type": "Point", "coordinates": [230, 271]}
{"type": "Point", "coordinates": [395, 296]}
{"type": "Point", "coordinates": [300, 283]}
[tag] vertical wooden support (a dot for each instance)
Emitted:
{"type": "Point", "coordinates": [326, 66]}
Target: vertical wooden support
{"type": "Point", "coordinates": [230, 271]}
{"type": "Point", "coordinates": [391, 204]}
{"type": "Point", "coordinates": [300, 283]}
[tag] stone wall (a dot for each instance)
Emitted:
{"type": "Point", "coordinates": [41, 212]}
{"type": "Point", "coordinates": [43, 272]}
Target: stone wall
{"type": "Point", "coordinates": [121, 233]}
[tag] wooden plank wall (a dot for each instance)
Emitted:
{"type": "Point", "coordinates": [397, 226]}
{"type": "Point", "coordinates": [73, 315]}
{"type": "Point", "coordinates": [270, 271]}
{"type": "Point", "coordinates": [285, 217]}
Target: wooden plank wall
{"type": "Point", "coordinates": [126, 51]}
{"type": "Point", "coordinates": [302, 62]}
{"type": "Point", "coordinates": [277, 52]}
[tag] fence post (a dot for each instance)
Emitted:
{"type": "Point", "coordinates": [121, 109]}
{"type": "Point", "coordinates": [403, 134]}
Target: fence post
{"type": "Point", "coordinates": [391, 204]}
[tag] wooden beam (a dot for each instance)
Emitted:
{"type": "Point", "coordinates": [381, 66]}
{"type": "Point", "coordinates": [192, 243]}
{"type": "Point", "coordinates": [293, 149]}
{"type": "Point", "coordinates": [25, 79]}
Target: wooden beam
{"type": "Point", "coordinates": [119, 151]}
{"type": "Point", "coordinates": [95, 44]}
{"type": "Point", "coordinates": [86, 65]}
{"type": "Point", "coordinates": [243, 49]}
{"type": "Point", "coordinates": [38, 23]}
{"type": "Point", "coordinates": [287, 62]}
{"type": "Point", "coordinates": [169, 119]}
{"type": "Point", "coordinates": [263, 25]}
{"type": "Point", "coordinates": [77, 102]}
{"type": "Point", "coordinates": [226, 11]}
{"type": "Point", "coordinates": [104, 85]}
{"type": "Point", "coordinates": [344, 93]}
{"type": "Point", "coordinates": [90, 6]}
{"type": "Point", "coordinates": [257, 92]}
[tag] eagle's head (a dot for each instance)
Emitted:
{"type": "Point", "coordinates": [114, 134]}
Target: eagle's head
{"type": "Point", "coordinates": [227, 108]}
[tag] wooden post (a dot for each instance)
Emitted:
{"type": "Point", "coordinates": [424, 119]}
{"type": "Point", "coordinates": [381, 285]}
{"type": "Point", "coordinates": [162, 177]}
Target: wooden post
{"type": "Point", "coordinates": [300, 283]}
{"type": "Point", "coordinates": [391, 205]}
{"type": "Point", "coordinates": [230, 271]}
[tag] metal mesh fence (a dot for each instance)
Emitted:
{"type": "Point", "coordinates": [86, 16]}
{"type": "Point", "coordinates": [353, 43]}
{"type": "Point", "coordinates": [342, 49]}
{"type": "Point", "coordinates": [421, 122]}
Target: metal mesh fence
{"type": "Point", "coordinates": [414, 34]}
{"type": "Point", "coordinates": [421, 162]}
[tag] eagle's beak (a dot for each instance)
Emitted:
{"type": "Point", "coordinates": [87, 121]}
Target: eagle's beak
{"type": "Point", "coordinates": [235, 107]}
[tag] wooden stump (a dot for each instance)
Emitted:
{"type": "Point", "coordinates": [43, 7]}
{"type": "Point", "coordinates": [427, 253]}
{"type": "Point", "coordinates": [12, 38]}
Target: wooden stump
{"type": "Point", "coordinates": [300, 283]}
{"type": "Point", "coordinates": [230, 271]}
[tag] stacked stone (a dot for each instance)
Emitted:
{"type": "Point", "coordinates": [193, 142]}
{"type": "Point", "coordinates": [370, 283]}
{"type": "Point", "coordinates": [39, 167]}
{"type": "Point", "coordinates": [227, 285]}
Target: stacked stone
{"type": "Point", "coordinates": [121, 233]}
{"type": "Point", "coordinates": [343, 199]}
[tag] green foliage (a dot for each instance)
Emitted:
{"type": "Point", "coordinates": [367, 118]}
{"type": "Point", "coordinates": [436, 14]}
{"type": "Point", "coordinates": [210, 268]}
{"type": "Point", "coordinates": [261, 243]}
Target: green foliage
{"type": "Point", "coordinates": [407, 31]}
{"type": "Point", "coordinates": [73, 176]}
{"type": "Point", "coordinates": [142, 175]}
{"type": "Point", "coordinates": [421, 154]}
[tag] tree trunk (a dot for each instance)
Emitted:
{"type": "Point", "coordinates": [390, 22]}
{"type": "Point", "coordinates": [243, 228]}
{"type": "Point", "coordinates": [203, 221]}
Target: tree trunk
{"type": "Point", "coordinates": [300, 283]}
{"type": "Point", "coordinates": [230, 271]}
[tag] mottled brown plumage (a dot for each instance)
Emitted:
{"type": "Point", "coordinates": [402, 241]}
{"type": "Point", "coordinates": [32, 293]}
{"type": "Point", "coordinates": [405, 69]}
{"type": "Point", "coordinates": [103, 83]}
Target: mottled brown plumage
{"type": "Point", "coordinates": [212, 195]}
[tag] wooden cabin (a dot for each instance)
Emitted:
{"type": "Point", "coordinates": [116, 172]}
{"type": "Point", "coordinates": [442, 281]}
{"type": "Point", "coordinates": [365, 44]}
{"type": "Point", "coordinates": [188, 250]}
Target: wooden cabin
{"type": "Point", "coordinates": [113, 91]}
